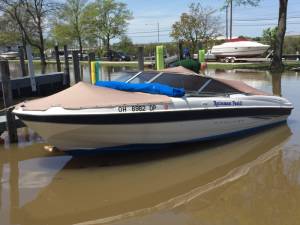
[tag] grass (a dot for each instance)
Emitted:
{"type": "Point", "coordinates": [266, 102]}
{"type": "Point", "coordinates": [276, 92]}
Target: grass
{"type": "Point", "coordinates": [104, 63]}
{"type": "Point", "coordinates": [252, 65]}
{"type": "Point", "coordinates": [211, 65]}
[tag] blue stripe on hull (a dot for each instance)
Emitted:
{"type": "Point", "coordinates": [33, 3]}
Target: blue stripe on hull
{"type": "Point", "coordinates": [135, 147]}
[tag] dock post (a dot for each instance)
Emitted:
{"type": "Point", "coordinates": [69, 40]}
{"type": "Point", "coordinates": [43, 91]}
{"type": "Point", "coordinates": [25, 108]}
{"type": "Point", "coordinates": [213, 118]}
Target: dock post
{"type": "Point", "coordinates": [91, 59]}
{"type": "Point", "coordinates": [66, 80]}
{"type": "Point", "coordinates": [180, 50]}
{"type": "Point", "coordinates": [30, 67]}
{"type": "Point", "coordinates": [22, 61]}
{"type": "Point", "coordinates": [58, 66]}
{"type": "Point", "coordinates": [141, 58]}
{"type": "Point", "coordinates": [8, 101]}
{"type": "Point", "coordinates": [76, 66]}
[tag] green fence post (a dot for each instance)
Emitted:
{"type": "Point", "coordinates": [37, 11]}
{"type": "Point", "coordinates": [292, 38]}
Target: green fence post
{"type": "Point", "coordinates": [201, 55]}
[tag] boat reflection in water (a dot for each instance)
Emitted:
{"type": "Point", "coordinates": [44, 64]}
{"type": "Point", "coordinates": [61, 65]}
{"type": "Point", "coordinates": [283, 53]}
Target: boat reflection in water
{"type": "Point", "coordinates": [117, 186]}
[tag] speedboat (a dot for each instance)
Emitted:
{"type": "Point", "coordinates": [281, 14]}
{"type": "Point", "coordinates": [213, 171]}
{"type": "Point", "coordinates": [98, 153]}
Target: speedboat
{"type": "Point", "coordinates": [86, 116]}
{"type": "Point", "coordinates": [239, 48]}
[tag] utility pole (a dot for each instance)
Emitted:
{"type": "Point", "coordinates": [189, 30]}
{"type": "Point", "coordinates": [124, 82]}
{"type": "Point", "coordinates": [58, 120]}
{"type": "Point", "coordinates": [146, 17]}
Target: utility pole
{"type": "Point", "coordinates": [227, 20]}
{"type": "Point", "coordinates": [230, 19]}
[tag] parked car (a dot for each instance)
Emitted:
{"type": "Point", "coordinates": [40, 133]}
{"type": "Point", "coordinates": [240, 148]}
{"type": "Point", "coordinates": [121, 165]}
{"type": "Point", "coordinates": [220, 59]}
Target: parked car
{"type": "Point", "coordinates": [9, 55]}
{"type": "Point", "coordinates": [115, 56]}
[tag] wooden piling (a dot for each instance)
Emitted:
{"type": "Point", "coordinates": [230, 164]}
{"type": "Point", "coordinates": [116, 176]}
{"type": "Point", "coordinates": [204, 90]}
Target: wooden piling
{"type": "Point", "coordinates": [22, 61]}
{"type": "Point", "coordinates": [76, 66]}
{"type": "Point", "coordinates": [66, 81]}
{"type": "Point", "coordinates": [8, 101]}
{"type": "Point", "coordinates": [180, 50]}
{"type": "Point", "coordinates": [141, 58]}
{"type": "Point", "coordinates": [30, 67]}
{"type": "Point", "coordinates": [58, 66]}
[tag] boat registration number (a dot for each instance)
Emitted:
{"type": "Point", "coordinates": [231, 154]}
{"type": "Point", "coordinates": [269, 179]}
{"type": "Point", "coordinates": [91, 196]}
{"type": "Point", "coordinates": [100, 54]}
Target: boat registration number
{"type": "Point", "coordinates": [137, 108]}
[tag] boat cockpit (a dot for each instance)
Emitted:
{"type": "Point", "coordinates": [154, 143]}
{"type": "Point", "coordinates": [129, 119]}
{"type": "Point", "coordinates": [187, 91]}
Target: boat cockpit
{"type": "Point", "coordinates": [194, 85]}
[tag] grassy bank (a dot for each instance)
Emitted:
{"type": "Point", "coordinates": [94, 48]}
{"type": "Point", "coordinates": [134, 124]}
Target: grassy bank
{"type": "Point", "coordinates": [211, 65]}
{"type": "Point", "coordinates": [104, 63]}
{"type": "Point", "coordinates": [253, 65]}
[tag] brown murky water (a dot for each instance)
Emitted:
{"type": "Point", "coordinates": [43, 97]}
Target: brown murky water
{"type": "Point", "coordinates": [246, 180]}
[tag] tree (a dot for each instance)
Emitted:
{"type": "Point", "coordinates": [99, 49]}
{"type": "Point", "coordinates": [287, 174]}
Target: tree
{"type": "Point", "coordinates": [15, 15]}
{"type": "Point", "coordinates": [38, 11]}
{"type": "Point", "coordinates": [276, 64]}
{"type": "Point", "coordinates": [9, 34]}
{"type": "Point", "coordinates": [125, 45]}
{"type": "Point", "coordinates": [269, 36]}
{"type": "Point", "coordinates": [71, 23]}
{"type": "Point", "coordinates": [30, 16]}
{"type": "Point", "coordinates": [109, 20]}
{"type": "Point", "coordinates": [198, 25]}
{"type": "Point", "coordinates": [291, 44]}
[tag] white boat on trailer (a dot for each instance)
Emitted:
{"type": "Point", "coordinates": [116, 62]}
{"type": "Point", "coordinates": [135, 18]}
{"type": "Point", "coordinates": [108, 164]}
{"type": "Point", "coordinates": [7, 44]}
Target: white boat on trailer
{"type": "Point", "coordinates": [90, 117]}
{"type": "Point", "coordinates": [239, 48]}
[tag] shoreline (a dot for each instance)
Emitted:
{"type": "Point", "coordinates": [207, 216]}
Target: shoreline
{"type": "Point", "coordinates": [211, 65]}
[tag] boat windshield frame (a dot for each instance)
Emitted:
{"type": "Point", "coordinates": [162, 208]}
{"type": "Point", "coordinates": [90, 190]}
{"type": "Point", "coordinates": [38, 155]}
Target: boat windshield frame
{"type": "Point", "coordinates": [200, 92]}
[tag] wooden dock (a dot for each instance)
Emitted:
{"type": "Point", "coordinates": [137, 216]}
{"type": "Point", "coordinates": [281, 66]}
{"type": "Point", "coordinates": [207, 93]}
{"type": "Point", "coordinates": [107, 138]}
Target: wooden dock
{"type": "Point", "coordinates": [46, 84]}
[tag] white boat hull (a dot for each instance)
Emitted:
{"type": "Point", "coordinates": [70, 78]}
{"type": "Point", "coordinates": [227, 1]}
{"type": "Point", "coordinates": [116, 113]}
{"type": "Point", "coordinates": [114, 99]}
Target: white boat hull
{"type": "Point", "coordinates": [71, 136]}
{"type": "Point", "coordinates": [239, 52]}
{"type": "Point", "coordinates": [182, 120]}
{"type": "Point", "coordinates": [239, 49]}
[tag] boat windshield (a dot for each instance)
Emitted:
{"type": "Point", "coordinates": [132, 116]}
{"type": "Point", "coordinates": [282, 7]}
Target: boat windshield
{"type": "Point", "coordinates": [143, 77]}
{"type": "Point", "coordinates": [192, 84]}
{"type": "Point", "coordinates": [123, 75]}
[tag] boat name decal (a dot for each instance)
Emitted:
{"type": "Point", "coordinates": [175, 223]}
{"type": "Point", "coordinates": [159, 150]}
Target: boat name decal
{"type": "Point", "coordinates": [227, 103]}
{"type": "Point", "coordinates": [136, 108]}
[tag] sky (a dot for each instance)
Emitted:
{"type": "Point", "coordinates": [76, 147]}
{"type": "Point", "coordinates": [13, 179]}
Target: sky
{"type": "Point", "coordinates": [247, 21]}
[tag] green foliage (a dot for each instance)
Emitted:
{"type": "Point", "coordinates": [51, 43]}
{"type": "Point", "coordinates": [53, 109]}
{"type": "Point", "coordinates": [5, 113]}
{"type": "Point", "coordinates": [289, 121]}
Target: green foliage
{"type": "Point", "coordinates": [196, 26]}
{"type": "Point", "coordinates": [9, 34]}
{"type": "Point", "coordinates": [71, 24]}
{"type": "Point", "coordinates": [269, 36]}
{"type": "Point", "coordinates": [9, 38]}
{"type": "Point", "coordinates": [291, 44]}
{"type": "Point", "coordinates": [125, 45]}
{"type": "Point", "coordinates": [190, 64]}
{"type": "Point", "coordinates": [108, 20]}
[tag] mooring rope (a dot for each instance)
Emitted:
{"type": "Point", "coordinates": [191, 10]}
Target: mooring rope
{"type": "Point", "coordinates": [7, 108]}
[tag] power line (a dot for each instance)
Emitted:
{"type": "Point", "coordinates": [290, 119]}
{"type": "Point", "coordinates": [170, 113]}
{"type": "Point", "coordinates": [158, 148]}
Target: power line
{"type": "Point", "coordinates": [145, 36]}
{"type": "Point", "coordinates": [266, 24]}
{"type": "Point", "coordinates": [152, 31]}
{"type": "Point", "coordinates": [261, 19]}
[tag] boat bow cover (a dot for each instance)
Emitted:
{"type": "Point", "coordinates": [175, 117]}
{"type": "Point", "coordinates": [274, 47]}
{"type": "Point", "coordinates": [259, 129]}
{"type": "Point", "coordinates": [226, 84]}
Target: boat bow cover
{"type": "Point", "coordinates": [241, 86]}
{"type": "Point", "coordinates": [84, 96]}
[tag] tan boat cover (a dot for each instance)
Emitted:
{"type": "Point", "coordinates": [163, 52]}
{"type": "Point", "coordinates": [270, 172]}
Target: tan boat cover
{"type": "Point", "coordinates": [238, 85]}
{"type": "Point", "coordinates": [180, 70]}
{"type": "Point", "coordinates": [241, 86]}
{"type": "Point", "coordinates": [83, 96]}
